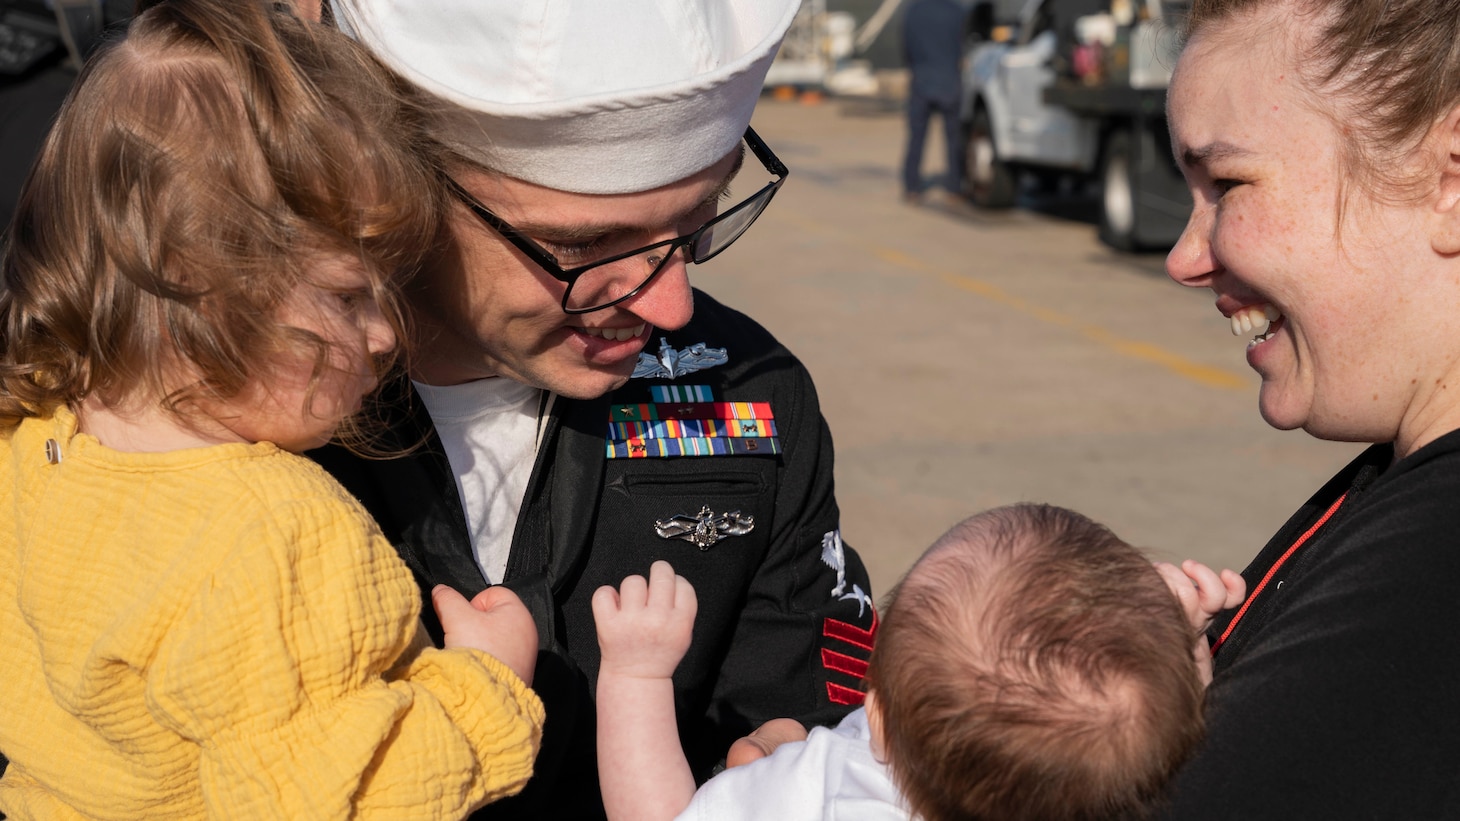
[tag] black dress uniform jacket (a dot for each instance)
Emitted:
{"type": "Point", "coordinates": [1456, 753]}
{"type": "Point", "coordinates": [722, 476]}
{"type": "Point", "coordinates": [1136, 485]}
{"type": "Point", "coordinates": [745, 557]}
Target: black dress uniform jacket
{"type": "Point", "coordinates": [1337, 694]}
{"type": "Point", "coordinates": [781, 629]}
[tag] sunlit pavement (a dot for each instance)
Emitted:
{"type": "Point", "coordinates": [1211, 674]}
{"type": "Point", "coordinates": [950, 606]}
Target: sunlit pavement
{"type": "Point", "coordinates": [966, 360]}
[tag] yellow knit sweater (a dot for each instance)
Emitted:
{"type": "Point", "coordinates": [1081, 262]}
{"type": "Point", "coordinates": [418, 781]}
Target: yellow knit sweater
{"type": "Point", "coordinates": [222, 632]}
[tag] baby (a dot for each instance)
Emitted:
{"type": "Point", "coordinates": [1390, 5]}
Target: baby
{"type": "Point", "coordinates": [1031, 665]}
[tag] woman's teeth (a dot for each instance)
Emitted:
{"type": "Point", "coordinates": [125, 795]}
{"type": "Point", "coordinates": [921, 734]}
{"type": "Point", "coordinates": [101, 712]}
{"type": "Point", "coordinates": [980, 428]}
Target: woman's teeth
{"type": "Point", "coordinates": [1250, 319]}
{"type": "Point", "coordinates": [615, 334]}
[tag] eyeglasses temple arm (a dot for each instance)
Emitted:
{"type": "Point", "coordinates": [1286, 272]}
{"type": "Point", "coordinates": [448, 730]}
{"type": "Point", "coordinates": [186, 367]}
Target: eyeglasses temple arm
{"type": "Point", "coordinates": [763, 153]}
{"type": "Point", "coordinates": [523, 243]}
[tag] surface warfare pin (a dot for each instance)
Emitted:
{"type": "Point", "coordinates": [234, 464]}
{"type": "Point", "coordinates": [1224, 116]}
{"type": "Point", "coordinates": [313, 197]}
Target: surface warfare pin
{"type": "Point", "coordinates": [705, 529]}
{"type": "Point", "coordinates": [671, 364]}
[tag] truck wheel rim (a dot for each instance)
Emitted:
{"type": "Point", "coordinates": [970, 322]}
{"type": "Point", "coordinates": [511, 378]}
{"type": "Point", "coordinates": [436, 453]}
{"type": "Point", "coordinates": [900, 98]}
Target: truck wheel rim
{"type": "Point", "coordinates": [981, 159]}
{"type": "Point", "coordinates": [1119, 201]}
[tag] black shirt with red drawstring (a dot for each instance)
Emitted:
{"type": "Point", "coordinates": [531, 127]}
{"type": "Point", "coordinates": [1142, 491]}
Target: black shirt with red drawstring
{"type": "Point", "coordinates": [1337, 685]}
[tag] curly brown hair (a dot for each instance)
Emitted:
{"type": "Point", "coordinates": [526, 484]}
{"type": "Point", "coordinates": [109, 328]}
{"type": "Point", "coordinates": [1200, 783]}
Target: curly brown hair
{"type": "Point", "coordinates": [197, 170]}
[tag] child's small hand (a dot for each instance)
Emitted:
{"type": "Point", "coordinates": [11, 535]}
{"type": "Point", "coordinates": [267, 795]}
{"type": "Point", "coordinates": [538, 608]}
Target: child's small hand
{"type": "Point", "coordinates": [495, 622]}
{"type": "Point", "coordinates": [644, 628]}
{"type": "Point", "coordinates": [1203, 592]}
{"type": "Point", "coordinates": [764, 740]}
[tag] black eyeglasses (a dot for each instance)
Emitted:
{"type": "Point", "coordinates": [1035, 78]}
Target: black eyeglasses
{"type": "Point", "coordinates": [615, 278]}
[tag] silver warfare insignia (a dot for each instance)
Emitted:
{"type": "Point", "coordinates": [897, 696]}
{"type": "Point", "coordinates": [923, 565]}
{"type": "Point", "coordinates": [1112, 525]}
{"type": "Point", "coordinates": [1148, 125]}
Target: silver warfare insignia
{"type": "Point", "coordinates": [705, 529]}
{"type": "Point", "coordinates": [833, 555]}
{"type": "Point", "coordinates": [671, 364]}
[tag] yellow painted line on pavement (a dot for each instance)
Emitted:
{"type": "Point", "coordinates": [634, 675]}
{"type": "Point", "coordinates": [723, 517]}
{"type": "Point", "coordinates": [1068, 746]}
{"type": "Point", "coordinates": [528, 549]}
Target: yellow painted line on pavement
{"type": "Point", "coordinates": [1144, 351]}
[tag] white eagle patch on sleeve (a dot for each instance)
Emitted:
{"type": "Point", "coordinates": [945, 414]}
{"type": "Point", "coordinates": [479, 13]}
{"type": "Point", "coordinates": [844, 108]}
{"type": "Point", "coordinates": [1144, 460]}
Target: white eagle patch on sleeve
{"type": "Point", "coordinates": [833, 556]}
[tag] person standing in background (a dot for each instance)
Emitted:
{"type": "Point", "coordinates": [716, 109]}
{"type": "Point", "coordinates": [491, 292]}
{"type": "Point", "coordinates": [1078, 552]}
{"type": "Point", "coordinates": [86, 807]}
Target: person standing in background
{"type": "Point", "coordinates": [932, 43]}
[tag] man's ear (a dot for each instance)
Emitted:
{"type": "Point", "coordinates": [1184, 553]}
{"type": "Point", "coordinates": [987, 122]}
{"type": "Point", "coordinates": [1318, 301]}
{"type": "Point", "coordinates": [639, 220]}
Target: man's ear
{"type": "Point", "coordinates": [1446, 237]}
{"type": "Point", "coordinates": [873, 706]}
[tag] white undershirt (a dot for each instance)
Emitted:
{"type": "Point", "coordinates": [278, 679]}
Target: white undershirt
{"type": "Point", "coordinates": [489, 429]}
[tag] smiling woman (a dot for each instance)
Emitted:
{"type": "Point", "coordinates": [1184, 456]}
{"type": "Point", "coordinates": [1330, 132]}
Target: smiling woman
{"type": "Point", "coordinates": [1321, 143]}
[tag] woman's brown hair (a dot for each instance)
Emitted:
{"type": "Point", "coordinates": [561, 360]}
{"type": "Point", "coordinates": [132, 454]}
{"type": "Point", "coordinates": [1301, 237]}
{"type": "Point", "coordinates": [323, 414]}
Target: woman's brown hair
{"type": "Point", "coordinates": [1391, 68]}
{"type": "Point", "coordinates": [196, 171]}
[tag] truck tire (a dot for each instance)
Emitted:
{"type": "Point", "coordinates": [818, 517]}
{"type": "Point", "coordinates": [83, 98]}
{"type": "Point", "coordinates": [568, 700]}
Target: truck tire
{"type": "Point", "coordinates": [987, 180]}
{"type": "Point", "coordinates": [1118, 193]}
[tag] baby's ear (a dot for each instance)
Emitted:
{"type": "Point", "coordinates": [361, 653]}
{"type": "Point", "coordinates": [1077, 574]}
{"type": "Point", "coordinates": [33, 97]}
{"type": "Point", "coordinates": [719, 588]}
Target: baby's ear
{"type": "Point", "coordinates": [1445, 239]}
{"type": "Point", "coordinates": [873, 706]}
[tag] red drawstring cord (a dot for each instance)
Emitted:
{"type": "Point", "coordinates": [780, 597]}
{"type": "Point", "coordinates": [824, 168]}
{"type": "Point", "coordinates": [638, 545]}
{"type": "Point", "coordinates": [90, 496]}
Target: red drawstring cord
{"type": "Point", "coordinates": [1268, 577]}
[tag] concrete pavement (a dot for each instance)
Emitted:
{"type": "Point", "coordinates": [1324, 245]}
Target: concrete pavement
{"type": "Point", "coordinates": [966, 360]}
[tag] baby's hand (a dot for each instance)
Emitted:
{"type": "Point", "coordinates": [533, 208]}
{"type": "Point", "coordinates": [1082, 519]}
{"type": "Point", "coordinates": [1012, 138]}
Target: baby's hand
{"type": "Point", "coordinates": [495, 622]}
{"type": "Point", "coordinates": [644, 628]}
{"type": "Point", "coordinates": [764, 740]}
{"type": "Point", "coordinates": [1203, 592]}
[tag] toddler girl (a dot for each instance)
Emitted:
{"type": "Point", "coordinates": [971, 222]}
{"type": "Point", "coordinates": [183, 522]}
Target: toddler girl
{"type": "Point", "coordinates": [199, 283]}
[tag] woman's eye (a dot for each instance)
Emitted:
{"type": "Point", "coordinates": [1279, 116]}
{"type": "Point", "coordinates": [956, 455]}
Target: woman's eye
{"type": "Point", "coordinates": [1223, 186]}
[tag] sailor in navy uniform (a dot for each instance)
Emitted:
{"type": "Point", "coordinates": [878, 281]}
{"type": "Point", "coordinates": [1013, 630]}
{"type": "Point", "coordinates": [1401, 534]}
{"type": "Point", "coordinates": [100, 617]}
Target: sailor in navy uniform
{"type": "Point", "coordinates": [544, 463]}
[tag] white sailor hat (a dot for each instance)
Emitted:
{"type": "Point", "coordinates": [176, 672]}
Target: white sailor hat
{"type": "Point", "coordinates": [588, 96]}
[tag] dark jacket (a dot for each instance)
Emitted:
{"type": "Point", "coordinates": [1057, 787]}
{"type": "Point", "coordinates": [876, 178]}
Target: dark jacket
{"type": "Point", "coordinates": [1337, 695]}
{"type": "Point", "coordinates": [932, 44]}
{"type": "Point", "coordinates": [778, 633]}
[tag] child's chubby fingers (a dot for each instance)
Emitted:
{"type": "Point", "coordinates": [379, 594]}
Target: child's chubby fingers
{"type": "Point", "coordinates": [1209, 589]}
{"type": "Point", "coordinates": [1180, 584]}
{"type": "Point", "coordinates": [633, 593]}
{"type": "Point", "coordinates": [670, 591]}
{"type": "Point", "coordinates": [662, 587]}
{"type": "Point", "coordinates": [496, 596]}
{"type": "Point", "coordinates": [684, 596]}
{"type": "Point", "coordinates": [605, 603]}
{"type": "Point", "coordinates": [1216, 592]}
{"type": "Point", "coordinates": [764, 740]}
{"type": "Point", "coordinates": [1236, 588]}
{"type": "Point", "coordinates": [448, 602]}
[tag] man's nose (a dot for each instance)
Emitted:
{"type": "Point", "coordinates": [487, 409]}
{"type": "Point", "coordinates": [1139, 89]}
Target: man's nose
{"type": "Point", "coordinates": [667, 302]}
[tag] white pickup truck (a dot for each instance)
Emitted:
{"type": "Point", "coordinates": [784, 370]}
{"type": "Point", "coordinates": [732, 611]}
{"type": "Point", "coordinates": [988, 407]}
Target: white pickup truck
{"type": "Point", "coordinates": [1077, 88]}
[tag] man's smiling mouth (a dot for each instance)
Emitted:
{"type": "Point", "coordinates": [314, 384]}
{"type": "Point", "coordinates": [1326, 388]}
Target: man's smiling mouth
{"type": "Point", "coordinates": [614, 334]}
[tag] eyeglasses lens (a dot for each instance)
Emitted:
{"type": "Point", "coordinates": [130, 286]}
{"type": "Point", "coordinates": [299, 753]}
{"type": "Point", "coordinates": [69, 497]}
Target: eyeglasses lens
{"type": "Point", "coordinates": [602, 285]}
{"type": "Point", "coordinates": [728, 227]}
{"type": "Point", "coordinates": [607, 283]}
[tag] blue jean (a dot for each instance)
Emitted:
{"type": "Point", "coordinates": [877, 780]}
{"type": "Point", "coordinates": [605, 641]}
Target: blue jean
{"type": "Point", "coordinates": [919, 110]}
